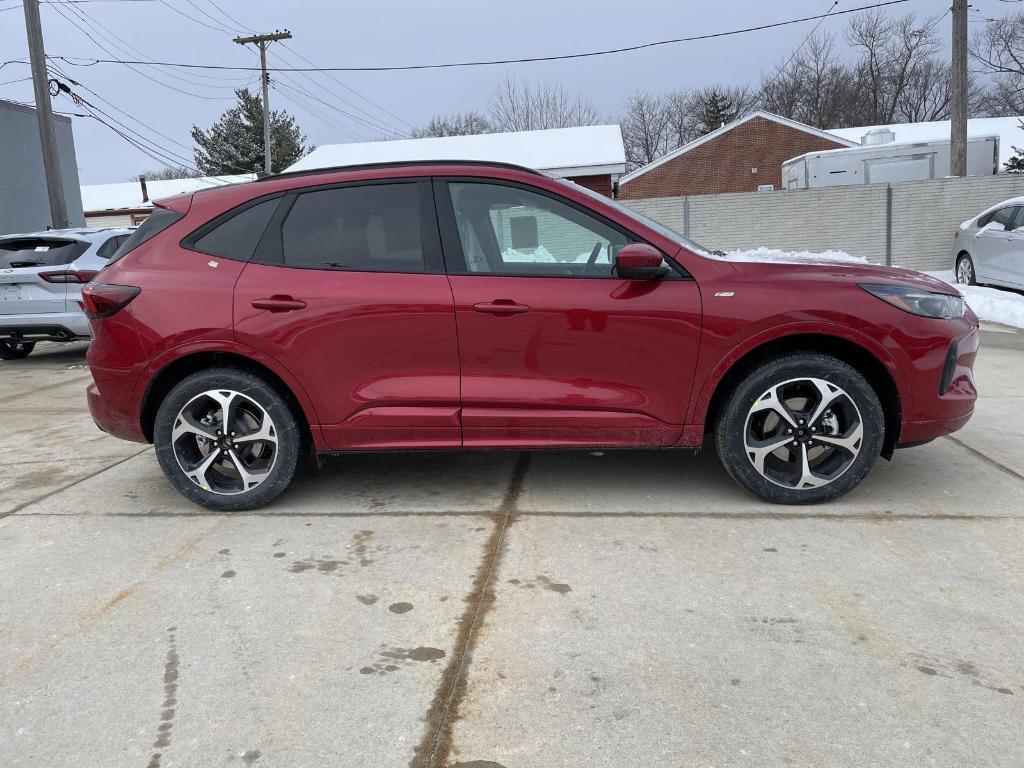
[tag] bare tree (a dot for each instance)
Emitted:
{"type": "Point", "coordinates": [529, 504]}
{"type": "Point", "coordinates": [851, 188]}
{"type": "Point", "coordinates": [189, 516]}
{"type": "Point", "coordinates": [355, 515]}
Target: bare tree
{"type": "Point", "coordinates": [520, 106]}
{"type": "Point", "coordinates": [893, 52]}
{"type": "Point", "coordinates": [999, 50]}
{"type": "Point", "coordinates": [813, 86]}
{"type": "Point", "coordinates": [459, 124]}
{"type": "Point", "coordinates": [645, 129]}
{"type": "Point", "coordinates": [168, 172]}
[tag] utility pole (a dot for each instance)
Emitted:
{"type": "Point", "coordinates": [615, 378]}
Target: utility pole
{"type": "Point", "coordinates": [958, 123]}
{"type": "Point", "coordinates": [262, 41]}
{"type": "Point", "coordinates": [44, 115]}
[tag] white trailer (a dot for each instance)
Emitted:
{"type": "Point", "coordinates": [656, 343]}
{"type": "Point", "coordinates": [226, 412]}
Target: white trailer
{"type": "Point", "coordinates": [875, 163]}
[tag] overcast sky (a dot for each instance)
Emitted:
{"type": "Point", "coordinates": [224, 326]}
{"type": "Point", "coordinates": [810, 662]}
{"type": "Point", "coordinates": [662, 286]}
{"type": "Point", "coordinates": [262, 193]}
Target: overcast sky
{"type": "Point", "coordinates": [390, 32]}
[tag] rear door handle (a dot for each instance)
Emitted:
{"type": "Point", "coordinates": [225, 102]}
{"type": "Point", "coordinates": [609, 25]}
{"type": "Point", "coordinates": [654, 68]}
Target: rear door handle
{"type": "Point", "coordinates": [279, 304]}
{"type": "Point", "coordinates": [501, 307]}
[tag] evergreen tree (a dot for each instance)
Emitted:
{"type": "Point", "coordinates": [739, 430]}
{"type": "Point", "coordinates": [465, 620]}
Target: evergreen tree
{"type": "Point", "coordinates": [1016, 163]}
{"type": "Point", "coordinates": [234, 144]}
{"type": "Point", "coordinates": [714, 110]}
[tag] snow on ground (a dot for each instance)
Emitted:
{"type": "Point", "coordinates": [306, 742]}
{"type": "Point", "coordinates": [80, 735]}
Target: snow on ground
{"type": "Point", "coordinates": [789, 257]}
{"type": "Point", "coordinates": [992, 305]}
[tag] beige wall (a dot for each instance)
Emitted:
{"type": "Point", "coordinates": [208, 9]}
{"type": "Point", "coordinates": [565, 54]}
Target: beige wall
{"type": "Point", "coordinates": [853, 219]}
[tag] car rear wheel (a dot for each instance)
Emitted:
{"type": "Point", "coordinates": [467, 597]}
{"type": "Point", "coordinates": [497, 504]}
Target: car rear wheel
{"type": "Point", "coordinates": [227, 440]}
{"type": "Point", "coordinates": [16, 350]}
{"type": "Point", "coordinates": [965, 274]}
{"type": "Point", "coordinates": [802, 429]}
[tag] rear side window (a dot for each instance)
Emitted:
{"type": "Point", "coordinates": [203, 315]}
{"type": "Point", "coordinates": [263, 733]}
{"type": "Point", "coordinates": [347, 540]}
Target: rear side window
{"type": "Point", "coordinates": [374, 228]}
{"type": "Point", "coordinates": [40, 252]}
{"type": "Point", "coordinates": [159, 220]}
{"type": "Point", "coordinates": [236, 236]}
{"type": "Point", "coordinates": [109, 248]}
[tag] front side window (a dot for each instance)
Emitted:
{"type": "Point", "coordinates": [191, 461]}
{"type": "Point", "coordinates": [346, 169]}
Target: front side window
{"type": "Point", "coordinates": [512, 231]}
{"type": "Point", "coordinates": [375, 228]}
{"type": "Point", "coordinates": [1003, 218]}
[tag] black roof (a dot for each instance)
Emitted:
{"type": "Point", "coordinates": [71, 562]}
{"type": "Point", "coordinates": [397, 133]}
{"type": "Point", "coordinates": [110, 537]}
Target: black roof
{"type": "Point", "coordinates": [400, 164]}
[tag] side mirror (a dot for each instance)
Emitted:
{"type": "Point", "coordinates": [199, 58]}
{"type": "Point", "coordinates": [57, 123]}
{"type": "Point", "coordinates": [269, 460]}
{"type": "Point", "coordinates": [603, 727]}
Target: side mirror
{"type": "Point", "coordinates": [640, 261]}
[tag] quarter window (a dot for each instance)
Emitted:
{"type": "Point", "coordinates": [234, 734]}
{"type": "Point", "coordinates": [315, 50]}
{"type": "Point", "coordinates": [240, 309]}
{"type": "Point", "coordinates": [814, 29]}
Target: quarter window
{"type": "Point", "coordinates": [237, 236]}
{"type": "Point", "coordinates": [374, 228]}
{"type": "Point", "coordinates": [513, 231]}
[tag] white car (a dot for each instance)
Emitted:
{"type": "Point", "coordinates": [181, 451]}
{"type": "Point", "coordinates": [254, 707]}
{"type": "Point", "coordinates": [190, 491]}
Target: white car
{"type": "Point", "coordinates": [41, 279]}
{"type": "Point", "coordinates": [989, 249]}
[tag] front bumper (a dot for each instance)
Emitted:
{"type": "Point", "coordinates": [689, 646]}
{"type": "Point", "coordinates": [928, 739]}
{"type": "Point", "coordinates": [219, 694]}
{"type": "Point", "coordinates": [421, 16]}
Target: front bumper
{"type": "Point", "coordinates": [48, 326]}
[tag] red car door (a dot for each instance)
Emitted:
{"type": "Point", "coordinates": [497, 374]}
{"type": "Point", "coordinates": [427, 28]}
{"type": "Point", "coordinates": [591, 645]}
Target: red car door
{"type": "Point", "coordinates": [555, 349]}
{"type": "Point", "coordinates": [347, 291]}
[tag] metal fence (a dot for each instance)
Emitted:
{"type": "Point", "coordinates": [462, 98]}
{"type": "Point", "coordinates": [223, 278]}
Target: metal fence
{"type": "Point", "coordinates": [909, 224]}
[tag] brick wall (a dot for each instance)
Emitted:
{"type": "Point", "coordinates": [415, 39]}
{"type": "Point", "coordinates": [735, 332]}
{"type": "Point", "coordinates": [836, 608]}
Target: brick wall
{"type": "Point", "coordinates": [727, 162]}
{"type": "Point", "coordinates": [853, 219]}
{"type": "Point", "coordinates": [601, 184]}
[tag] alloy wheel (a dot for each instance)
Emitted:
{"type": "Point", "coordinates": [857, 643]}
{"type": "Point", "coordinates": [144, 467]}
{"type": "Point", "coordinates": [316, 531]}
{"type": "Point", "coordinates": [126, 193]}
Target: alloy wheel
{"type": "Point", "coordinates": [803, 433]}
{"type": "Point", "coordinates": [964, 271]}
{"type": "Point", "coordinates": [224, 442]}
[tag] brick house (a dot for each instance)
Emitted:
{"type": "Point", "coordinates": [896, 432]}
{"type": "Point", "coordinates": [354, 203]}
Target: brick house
{"type": "Point", "coordinates": [739, 157]}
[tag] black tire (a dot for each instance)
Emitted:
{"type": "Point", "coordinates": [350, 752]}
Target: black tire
{"type": "Point", "coordinates": [289, 434]}
{"type": "Point", "coordinates": [16, 350]}
{"type": "Point", "coordinates": [733, 422]}
{"type": "Point", "coordinates": [966, 260]}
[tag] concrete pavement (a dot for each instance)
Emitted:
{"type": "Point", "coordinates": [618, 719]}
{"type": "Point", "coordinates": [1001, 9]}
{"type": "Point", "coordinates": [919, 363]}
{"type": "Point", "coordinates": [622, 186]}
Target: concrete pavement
{"type": "Point", "coordinates": [504, 609]}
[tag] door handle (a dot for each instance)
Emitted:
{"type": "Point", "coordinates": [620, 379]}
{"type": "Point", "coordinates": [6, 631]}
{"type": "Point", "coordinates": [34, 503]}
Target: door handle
{"type": "Point", "coordinates": [501, 307]}
{"type": "Point", "coordinates": [279, 304]}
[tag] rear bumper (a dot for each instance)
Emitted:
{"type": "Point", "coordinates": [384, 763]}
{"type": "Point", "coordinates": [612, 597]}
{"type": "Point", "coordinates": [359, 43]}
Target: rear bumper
{"type": "Point", "coordinates": [51, 326]}
{"type": "Point", "coordinates": [113, 422]}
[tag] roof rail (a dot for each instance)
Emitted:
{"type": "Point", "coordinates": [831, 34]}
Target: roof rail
{"type": "Point", "coordinates": [398, 164]}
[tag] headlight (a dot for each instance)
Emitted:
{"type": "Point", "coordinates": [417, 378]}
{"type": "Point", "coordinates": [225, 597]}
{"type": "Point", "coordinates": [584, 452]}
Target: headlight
{"type": "Point", "coordinates": [917, 301]}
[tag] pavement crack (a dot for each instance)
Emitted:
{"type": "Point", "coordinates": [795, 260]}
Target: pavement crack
{"type": "Point", "coordinates": [434, 748]}
{"type": "Point", "coordinates": [987, 459]}
{"type": "Point", "coordinates": [72, 484]}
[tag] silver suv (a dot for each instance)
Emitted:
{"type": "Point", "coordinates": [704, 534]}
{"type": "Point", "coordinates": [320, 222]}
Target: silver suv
{"type": "Point", "coordinates": [41, 279]}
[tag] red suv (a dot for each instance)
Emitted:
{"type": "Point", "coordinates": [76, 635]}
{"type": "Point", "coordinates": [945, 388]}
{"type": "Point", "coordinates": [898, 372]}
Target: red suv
{"type": "Point", "coordinates": [454, 305]}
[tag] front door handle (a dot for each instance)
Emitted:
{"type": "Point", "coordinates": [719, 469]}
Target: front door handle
{"type": "Point", "coordinates": [501, 307]}
{"type": "Point", "coordinates": [279, 304]}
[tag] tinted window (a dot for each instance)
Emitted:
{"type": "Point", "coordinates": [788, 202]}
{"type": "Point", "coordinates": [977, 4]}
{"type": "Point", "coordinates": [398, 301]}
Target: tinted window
{"type": "Point", "coordinates": [159, 220]}
{"type": "Point", "coordinates": [236, 237]}
{"type": "Point", "coordinates": [512, 231]}
{"type": "Point", "coordinates": [40, 252]}
{"type": "Point", "coordinates": [373, 228]}
{"type": "Point", "coordinates": [110, 246]}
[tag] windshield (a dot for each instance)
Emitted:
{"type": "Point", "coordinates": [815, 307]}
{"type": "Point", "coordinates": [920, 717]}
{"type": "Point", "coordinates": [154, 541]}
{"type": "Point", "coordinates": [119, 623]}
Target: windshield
{"type": "Point", "coordinates": [658, 227]}
{"type": "Point", "coordinates": [40, 252]}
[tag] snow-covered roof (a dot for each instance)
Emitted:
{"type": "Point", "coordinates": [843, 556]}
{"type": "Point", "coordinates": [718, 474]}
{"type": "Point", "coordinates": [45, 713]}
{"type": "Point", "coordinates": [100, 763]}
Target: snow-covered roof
{"type": "Point", "coordinates": [796, 125]}
{"type": "Point", "coordinates": [582, 151]}
{"type": "Point", "coordinates": [1006, 128]}
{"type": "Point", "coordinates": [127, 195]}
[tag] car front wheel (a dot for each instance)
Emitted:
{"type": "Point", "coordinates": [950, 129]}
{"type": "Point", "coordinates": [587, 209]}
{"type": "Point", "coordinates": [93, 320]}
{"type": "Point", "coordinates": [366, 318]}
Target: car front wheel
{"type": "Point", "coordinates": [227, 440]}
{"type": "Point", "coordinates": [965, 274]}
{"type": "Point", "coordinates": [16, 350]}
{"type": "Point", "coordinates": [802, 429]}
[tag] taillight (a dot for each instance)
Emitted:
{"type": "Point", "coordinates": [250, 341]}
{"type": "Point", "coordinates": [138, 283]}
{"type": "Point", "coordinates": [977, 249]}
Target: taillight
{"type": "Point", "coordinates": [69, 276]}
{"type": "Point", "coordinates": [100, 300]}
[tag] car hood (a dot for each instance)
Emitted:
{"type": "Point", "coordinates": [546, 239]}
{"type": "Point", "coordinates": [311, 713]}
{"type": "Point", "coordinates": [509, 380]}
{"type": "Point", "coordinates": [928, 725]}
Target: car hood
{"type": "Point", "coordinates": [843, 272]}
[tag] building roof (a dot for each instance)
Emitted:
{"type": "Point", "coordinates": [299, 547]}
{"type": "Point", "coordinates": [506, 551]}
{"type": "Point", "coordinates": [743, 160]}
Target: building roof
{"type": "Point", "coordinates": [127, 195]}
{"type": "Point", "coordinates": [1006, 128]}
{"type": "Point", "coordinates": [794, 124]}
{"type": "Point", "coordinates": [582, 151]}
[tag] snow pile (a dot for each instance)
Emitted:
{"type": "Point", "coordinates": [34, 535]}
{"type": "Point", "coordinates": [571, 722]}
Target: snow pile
{"type": "Point", "coordinates": [990, 304]}
{"type": "Point", "coordinates": [790, 257]}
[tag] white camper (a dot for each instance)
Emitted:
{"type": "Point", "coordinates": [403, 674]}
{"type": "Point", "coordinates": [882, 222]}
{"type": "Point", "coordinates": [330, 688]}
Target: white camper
{"type": "Point", "coordinates": [880, 160]}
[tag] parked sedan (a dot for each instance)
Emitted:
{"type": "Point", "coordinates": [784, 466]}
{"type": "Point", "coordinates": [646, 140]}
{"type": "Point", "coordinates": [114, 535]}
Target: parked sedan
{"type": "Point", "coordinates": [458, 305]}
{"type": "Point", "coordinates": [41, 279]}
{"type": "Point", "coordinates": [989, 249]}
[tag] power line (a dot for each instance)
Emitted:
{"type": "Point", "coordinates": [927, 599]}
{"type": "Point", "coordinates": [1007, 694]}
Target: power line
{"type": "Point", "coordinates": [524, 60]}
